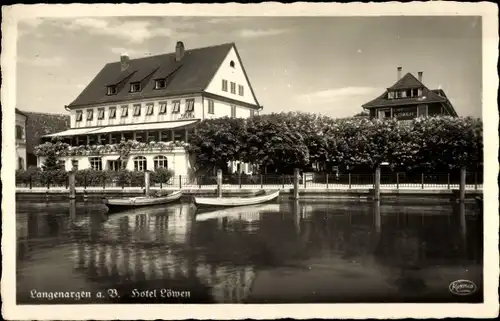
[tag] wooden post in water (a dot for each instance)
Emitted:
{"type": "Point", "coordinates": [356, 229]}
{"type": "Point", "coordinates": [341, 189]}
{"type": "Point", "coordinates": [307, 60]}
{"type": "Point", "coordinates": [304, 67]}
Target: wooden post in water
{"type": "Point", "coordinates": [219, 183]}
{"type": "Point", "coordinates": [377, 218]}
{"type": "Point", "coordinates": [377, 183]}
{"type": "Point", "coordinates": [296, 178]}
{"type": "Point", "coordinates": [462, 184]}
{"type": "Point", "coordinates": [147, 182]}
{"type": "Point", "coordinates": [71, 182]}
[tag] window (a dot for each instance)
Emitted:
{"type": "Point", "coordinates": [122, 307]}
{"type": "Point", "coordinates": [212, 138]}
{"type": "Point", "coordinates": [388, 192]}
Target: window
{"type": "Point", "coordinates": [233, 88]}
{"type": "Point", "coordinates": [189, 105]}
{"type": "Point", "coordinates": [211, 107]}
{"type": "Point", "coordinates": [137, 110]}
{"type": "Point", "coordinates": [124, 111]}
{"type": "Point", "coordinates": [403, 94]}
{"type": "Point", "coordinates": [20, 162]}
{"type": "Point", "coordinates": [100, 113]}
{"type": "Point", "coordinates": [112, 90]}
{"type": "Point", "coordinates": [422, 111]}
{"type": "Point", "coordinates": [152, 136]}
{"type": "Point", "coordinates": [224, 85]}
{"type": "Point", "coordinates": [384, 113]}
{"type": "Point", "coordinates": [176, 106]}
{"type": "Point", "coordinates": [150, 109]}
{"type": "Point", "coordinates": [408, 93]}
{"type": "Point", "coordinates": [95, 163]}
{"type": "Point", "coordinates": [419, 92]}
{"type": "Point", "coordinates": [112, 112]}
{"type": "Point", "coordinates": [115, 138]}
{"type": "Point", "coordinates": [160, 162]}
{"type": "Point", "coordinates": [74, 164]}
{"type": "Point", "coordinates": [160, 83]}
{"type": "Point", "coordinates": [240, 90]}
{"type": "Point", "coordinates": [140, 136]}
{"type": "Point", "coordinates": [140, 163]}
{"type": "Point", "coordinates": [114, 165]}
{"type": "Point", "coordinates": [135, 87]}
{"type": "Point", "coordinates": [163, 108]}
{"type": "Point", "coordinates": [390, 95]}
{"type": "Point", "coordinates": [398, 94]}
{"type": "Point", "coordinates": [90, 114]}
{"type": "Point", "coordinates": [233, 111]}
{"type": "Point", "coordinates": [19, 132]}
{"type": "Point", "coordinates": [231, 64]}
{"type": "Point", "coordinates": [79, 115]}
{"type": "Point", "coordinates": [252, 112]}
{"type": "Point", "coordinates": [415, 92]}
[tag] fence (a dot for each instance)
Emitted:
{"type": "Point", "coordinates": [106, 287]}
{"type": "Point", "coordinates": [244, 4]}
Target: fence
{"type": "Point", "coordinates": [307, 181]}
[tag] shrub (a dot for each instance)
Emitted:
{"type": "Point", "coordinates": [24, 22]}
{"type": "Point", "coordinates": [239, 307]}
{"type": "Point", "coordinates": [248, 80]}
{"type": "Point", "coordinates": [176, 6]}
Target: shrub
{"type": "Point", "coordinates": [161, 175]}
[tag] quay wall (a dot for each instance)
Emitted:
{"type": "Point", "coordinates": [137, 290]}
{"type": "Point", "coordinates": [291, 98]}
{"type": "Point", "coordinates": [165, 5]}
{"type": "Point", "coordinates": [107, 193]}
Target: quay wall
{"type": "Point", "coordinates": [358, 194]}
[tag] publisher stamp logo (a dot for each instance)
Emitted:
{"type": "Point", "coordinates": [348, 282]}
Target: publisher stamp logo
{"type": "Point", "coordinates": [462, 287]}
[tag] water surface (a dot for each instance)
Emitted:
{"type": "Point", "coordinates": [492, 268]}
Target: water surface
{"type": "Point", "coordinates": [274, 253]}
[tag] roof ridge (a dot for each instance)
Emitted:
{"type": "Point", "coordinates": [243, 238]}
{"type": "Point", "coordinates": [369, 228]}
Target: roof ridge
{"type": "Point", "coordinates": [173, 52]}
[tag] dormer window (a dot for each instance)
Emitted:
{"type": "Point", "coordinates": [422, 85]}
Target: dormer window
{"type": "Point", "coordinates": [137, 110]}
{"type": "Point", "coordinates": [231, 64]}
{"type": "Point", "coordinates": [112, 90]}
{"type": "Point", "coordinates": [100, 114]}
{"type": "Point", "coordinates": [390, 95]}
{"type": "Point", "coordinates": [135, 87]}
{"type": "Point", "coordinates": [150, 109]}
{"type": "Point", "coordinates": [90, 114]}
{"type": "Point", "coordinates": [79, 115]}
{"type": "Point", "coordinates": [160, 83]}
{"type": "Point", "coordinates": [414, 92]}
{"type": "Point", "coordinates": [176, 107]}
{"type": "Point", "coordinates": [189, 105]}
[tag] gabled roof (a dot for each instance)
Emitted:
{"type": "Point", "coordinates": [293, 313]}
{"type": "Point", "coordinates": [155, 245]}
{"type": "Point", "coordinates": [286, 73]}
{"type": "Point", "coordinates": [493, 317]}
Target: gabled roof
{"type": "Point", "coordinates": [408, 81]}
{"type": "Point", "coordinates": [192, 75]}
{"type": "Point", "coordinates": [18, 111]}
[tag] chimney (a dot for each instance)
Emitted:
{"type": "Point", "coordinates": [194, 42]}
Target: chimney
{"type": "Point", "coordinates": [420, 74]}
{"type": "Point", "coordinates": [179, 51]}
{"type": "Point", "coordinates": [124, 59]}
{"type": "Point", "coordinates": [400, 69]}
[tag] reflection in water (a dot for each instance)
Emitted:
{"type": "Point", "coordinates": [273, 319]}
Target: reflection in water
{"type": "Point", "coordinates": [287, 252]}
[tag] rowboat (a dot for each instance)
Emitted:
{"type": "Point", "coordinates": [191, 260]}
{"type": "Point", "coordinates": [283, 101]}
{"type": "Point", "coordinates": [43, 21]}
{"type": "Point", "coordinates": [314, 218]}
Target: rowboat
{"type": "Point", "coordinates": [259, 198]}
{"type": "Point", "coordinates": [120, 204]}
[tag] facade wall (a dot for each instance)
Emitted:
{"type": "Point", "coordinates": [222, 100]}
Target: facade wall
{"type": "Point", "coordinates": [143, 118]}
{"type": "Point", "coordinates": [177, 159]}
{"type": "Point", "coordinates": [231, 74]}
{"type": "Point", "coordinates": [409, 111]}
{"type": "Point", "coordinates": [21, 160]}
{"type": "Point", "coordinates": [223, 109]}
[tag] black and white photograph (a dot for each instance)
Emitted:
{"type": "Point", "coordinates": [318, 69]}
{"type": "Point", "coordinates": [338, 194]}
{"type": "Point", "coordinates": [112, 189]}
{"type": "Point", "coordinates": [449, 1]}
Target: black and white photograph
{"type": "Point", "coordinates": [186, 156]}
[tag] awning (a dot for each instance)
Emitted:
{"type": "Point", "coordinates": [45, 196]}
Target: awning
{"type": "Point", "coordinates": [74, 132]}
{"type": "Point", "coordinates": [144, 127]}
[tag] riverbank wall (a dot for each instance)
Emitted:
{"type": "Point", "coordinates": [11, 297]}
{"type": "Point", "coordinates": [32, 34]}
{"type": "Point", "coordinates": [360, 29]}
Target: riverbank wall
{"type": "Point", "coordinates": [427, 195]}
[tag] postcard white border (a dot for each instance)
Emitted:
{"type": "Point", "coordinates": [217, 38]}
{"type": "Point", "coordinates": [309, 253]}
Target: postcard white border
{"type": "Point", "coordinates": [490, 308]}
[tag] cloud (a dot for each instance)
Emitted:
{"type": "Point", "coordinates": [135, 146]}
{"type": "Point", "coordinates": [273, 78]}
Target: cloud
{"type": "Point", "coordinates": [331, 95]}
{"type": "Point", "coordinates": [134, 31]}
{"type": "Point", "coordinates": [55, 61]}
{"type": "Point", "coordinates": [30, 23]}
{"type": "Point", "coordinates": [257, 33]}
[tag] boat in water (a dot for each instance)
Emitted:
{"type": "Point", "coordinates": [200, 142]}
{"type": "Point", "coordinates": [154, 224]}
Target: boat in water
{"type": "Point", "coordinates": [259, 198]}
{"type": "Point", "coordinates": [126, 203]}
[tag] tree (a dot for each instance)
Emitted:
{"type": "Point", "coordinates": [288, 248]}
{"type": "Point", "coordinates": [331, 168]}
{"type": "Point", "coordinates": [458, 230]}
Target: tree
{"type": "Point", "coordinates": [52, 163]}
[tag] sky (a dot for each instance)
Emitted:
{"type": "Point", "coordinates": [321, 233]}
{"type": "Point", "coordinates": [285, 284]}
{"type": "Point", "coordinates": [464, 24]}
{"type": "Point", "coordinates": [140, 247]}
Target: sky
{"type": "Point", "coordinates": [327, 65]}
